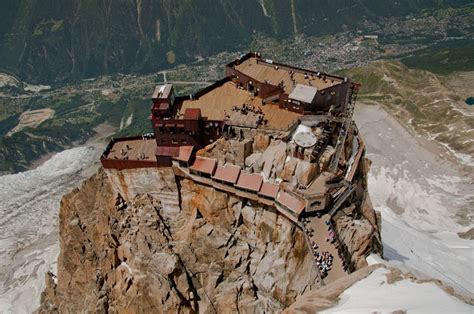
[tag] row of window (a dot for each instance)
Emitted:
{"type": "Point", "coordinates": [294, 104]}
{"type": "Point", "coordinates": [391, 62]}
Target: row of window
{"type": "Point", "coordinates": [212, 124]}
{"type": "Point", "coordinates": [172, 130]}
{"type": "Point", "coordinates": [173, 141]}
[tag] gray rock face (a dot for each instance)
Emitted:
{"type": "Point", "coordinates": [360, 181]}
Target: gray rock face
{"type": "Point", "coordinates": [253, 162]}
{"type": "Point", "coordinates": [271, 161]}
{"type": "Point", "coordinates": [358, 229]}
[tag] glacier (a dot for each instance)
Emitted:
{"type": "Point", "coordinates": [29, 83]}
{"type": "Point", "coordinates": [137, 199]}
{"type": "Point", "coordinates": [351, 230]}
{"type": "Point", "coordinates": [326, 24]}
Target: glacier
{"type": "Point", "coordinates": [29, 240]}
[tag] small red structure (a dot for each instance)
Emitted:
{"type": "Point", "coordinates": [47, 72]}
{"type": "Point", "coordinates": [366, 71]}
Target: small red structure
{"type": "Point", "coordinates": [203, 166]}
{"type": "Point", "coordinates": [192, 114]}
{"type": "Point", "coordinates": [249, 182]}
{"type": "Point", "coordinates": [269, 190]}
{"type": "Point", "coordinates": [227, 174]}
{"type": "Point", "coordinates": [291, 203]}
{"type": "Point", "coordinates": [164, 155]}
{"type": "Point", "coordinates": [185, 155]}
{"type": "Point", "coordinates": [163, 98]}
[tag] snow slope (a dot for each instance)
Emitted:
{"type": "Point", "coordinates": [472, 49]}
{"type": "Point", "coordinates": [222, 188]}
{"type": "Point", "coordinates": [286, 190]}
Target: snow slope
{"type": "Point", "coordinates": [28, 224]}
{"type": "Point", "coordinates": [375, 295]}
{"type": "Point", "coordinates": [423, 197]}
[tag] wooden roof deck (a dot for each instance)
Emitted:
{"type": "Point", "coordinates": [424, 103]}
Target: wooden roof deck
{"type": "Point", "coordinates": [263, 71]}
{"type": "Point", "coordinates": [221, 99]}
{"type": "Point", "coordinates": [131, 150]}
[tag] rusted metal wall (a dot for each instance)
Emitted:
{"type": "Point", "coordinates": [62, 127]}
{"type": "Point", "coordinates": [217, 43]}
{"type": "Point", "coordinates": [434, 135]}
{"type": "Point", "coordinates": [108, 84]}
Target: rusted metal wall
{"type": "Point", "coordinates": [164, 161]}
{"type": "Point", "coordinates": [127, 164]}
{"type": "Point", "coordinates": [284, 103]}
{"type": "Point", "coordinates": [335, 95]}
{"type": "Point", "coordinates": [264, 90]}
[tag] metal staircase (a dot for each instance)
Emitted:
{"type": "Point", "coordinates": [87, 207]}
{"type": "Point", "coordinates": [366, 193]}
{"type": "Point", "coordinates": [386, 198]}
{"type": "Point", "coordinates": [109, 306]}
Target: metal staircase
{"type": "Point", "coordinates": [342, 198]}
{"type": "Point", "coordinates": [346, 124]}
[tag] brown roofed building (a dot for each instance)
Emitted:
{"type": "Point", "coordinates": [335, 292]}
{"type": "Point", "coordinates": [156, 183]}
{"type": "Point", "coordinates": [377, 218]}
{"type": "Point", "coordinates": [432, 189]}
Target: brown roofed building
{"type": "Point", "coordinates": [204, 166]}
{"type": "Point", "coordinates": [171, 151]}
{"type": "Point", "coordinates": [227, 174]}
{"type": "Point", "coordinates": [269, 190]}
{"type": "Point", "coordinates": [163, 99]}
{"type": "Point", "coordinates": [164, 155]}
{"type": "Point", "coordinates": [249, 182]}
{"type": "Point", "coordinates": [185, 155]}
{"type": "Point", "coordinates": [192, 114]}
{"type": "Point", "coordinates": [291, 203]}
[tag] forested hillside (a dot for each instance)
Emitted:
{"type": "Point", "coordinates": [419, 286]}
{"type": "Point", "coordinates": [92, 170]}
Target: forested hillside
{"type": "Point", "coordinates": [61, 40]}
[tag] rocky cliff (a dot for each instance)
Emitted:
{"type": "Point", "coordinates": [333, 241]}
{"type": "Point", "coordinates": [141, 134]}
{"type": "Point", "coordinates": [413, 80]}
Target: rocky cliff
{"type": "Point", "coordinates": [213, 253]}
{"type": "Point", "coordinates": [358, 226]}
{"type": "Point", "coordinates": [141, 239]}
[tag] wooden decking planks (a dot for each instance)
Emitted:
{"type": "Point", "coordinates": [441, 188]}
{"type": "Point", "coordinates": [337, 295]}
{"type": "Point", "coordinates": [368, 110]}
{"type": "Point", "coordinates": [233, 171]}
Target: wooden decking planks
{"type": "Point", "coordinates": [134, 149]}
{"type": "Point", "coordinates": [262, 71]}
{"type": "Point", "coordinates": [279, 119]}
{"type": "Point", "coordinates": [214, 103]}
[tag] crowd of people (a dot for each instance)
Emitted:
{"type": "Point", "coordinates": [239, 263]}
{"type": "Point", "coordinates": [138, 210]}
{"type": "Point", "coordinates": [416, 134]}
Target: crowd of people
{"type": "Point", "coordinates": [324, 259]}
{"type": "Point", "coordinates": [246, 109]}
{"type": "Point", "coordinates": [331, 236]}
{"type": "Point", "coordinates": [324, 262]}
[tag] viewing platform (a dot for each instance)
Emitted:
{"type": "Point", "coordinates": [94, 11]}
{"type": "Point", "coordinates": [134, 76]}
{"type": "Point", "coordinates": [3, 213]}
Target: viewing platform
{"type": "Point", "coordinates": [220, 102]}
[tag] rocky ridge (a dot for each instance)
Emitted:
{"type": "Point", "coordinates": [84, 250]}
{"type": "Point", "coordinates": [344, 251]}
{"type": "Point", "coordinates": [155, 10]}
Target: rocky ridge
{"type": "Point", "coordinates": [141, 239]}
{"type": "Point", "coordinates": [216, 253]}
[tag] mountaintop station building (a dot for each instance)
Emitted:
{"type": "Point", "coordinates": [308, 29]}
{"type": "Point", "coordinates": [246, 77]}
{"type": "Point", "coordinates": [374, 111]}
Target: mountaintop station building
{"type": "Point", "coordinates": [309, 111]}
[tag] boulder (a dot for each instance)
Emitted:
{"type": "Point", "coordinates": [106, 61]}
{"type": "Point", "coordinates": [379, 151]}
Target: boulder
{"type": "Point", "coordinates": [261, 142]}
